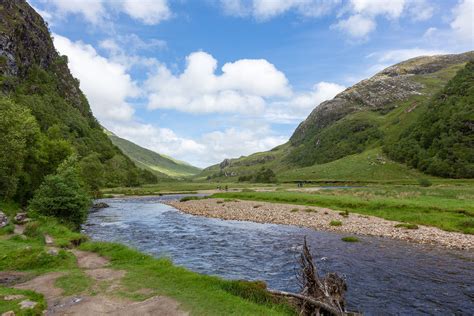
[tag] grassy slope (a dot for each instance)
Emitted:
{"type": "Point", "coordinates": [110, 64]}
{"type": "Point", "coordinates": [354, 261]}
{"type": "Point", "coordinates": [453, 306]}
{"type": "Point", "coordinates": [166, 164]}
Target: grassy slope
{"type": "Point", "coordinates": [147, 159]}
{"type": "Point", "coordinates": [368, 165]}
{"type": "Point", "coordinates": [199, 294]}
{"type": "Point", "coordinates": [448, 207]}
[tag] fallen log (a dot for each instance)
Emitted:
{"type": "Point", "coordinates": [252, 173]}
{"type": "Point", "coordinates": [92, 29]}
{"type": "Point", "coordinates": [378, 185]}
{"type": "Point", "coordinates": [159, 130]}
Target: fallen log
{"type": "Point", "coordinates": [310, 300]}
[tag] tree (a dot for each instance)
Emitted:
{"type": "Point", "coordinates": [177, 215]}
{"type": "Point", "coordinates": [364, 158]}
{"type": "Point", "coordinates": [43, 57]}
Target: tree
{"type": "Point", "coordinates": [63, 195]}
{"type": "Point", "coordinates": [92, 172]}
{"type": "Point", "coordinates": [18, 133]}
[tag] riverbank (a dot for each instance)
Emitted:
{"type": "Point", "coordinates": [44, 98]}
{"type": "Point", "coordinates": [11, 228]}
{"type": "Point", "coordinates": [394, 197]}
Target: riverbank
{"type": "Point", "coordinates": [321, 219]}
{"type": "Point", "coordinates": [45, 268]}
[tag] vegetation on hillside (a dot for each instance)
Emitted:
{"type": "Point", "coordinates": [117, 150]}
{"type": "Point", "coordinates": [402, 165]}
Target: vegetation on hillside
{"type": "Point", "coordinates": [441, 141]}
{"type": "Point", "coordinates": [160, 165]}
{"type": "Point", "coordinates": [45, 118]}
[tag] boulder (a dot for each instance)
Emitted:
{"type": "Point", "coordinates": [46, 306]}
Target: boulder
{"type": "Point", "coordinates": [100, 205]}
{"type": "Point", "coordinates": [21, 218]}
{"type": "Point", "coordinates": [3, 219]}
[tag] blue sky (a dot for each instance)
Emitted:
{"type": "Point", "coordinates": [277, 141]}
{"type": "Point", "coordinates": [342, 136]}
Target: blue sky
{"type": "Point", "coordinates": [206, 80]}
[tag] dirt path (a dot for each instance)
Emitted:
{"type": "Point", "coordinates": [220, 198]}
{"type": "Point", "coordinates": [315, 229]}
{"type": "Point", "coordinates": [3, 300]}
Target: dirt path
{"type": "Point", "coordinates": [321, 218]}
{"type": "Point", "coordinates": [104, 303]}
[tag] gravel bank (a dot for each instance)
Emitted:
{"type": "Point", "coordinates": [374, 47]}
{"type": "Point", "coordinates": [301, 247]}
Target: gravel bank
{"type": "Point", "coordinates": [320, 218]}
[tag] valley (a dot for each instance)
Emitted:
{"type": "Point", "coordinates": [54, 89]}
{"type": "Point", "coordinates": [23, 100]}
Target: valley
{"type": "Point", "coordinates": [369, 197]}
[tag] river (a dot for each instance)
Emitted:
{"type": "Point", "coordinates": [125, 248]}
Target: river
{"type": "Point", "coordinates": [384, 276]}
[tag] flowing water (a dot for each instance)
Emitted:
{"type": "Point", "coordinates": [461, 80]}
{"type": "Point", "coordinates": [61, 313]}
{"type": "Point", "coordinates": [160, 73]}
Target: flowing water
{"type": "Point", "coordinates": [385, 277]}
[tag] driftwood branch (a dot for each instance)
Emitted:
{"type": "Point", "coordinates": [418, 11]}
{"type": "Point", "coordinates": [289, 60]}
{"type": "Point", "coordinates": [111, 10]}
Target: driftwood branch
{"type": "Point", "coordinates": [318, 304]}
{"type": "Point", "coordinates": [319, 295]}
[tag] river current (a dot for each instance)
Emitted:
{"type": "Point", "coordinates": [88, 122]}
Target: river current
{"type": "Point", "coordinates": [384, 276]}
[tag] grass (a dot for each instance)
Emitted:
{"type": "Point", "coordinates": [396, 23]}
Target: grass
{"type": "Point", "coordinates": [75, 282]}
{"type": "Point", "coordinates": [178, 187]}
{"type": "Point", "coordinates": [335, 223]}
{"type": "Point", "coordinates": [371, 165]}
{"type": "Point", "coordinates": [350, 239]}
{"type": "Point", "coordinates": [448, 207]}
{"type": "Point", "coordinates": [14, 306]}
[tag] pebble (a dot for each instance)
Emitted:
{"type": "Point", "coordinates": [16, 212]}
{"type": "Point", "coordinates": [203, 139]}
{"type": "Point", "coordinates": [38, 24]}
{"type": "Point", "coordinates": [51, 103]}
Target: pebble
{"type": "Point", "coordinates": [282, 214]}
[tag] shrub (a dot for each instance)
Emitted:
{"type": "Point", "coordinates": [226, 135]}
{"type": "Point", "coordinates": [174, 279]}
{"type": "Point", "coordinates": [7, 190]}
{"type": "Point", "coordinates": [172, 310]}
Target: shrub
{"type": "Point", "coordinates": [424, 182]}
{"type": "Point", "coordinates": [344, 214]}
{"type": "Point", "coordinates": [191, 198]}
{"type": "Point", "coordinates": [335, 223]}
{"type": "Point", "coordinates": [62, 195]}
{"type": "Point", "coordinates": [350, 239]}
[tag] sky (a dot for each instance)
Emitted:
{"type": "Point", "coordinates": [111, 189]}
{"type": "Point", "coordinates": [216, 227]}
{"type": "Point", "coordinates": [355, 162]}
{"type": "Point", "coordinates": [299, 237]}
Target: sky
{"type": "Point", "coordinates": [205, 80]}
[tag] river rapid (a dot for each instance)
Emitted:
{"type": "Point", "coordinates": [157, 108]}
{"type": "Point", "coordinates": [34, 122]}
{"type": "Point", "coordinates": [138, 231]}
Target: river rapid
{"type": "Point", "coordinates": [384, 276]}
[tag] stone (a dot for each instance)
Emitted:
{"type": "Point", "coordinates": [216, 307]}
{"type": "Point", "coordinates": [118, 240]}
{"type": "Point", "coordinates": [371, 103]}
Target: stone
{"type": "Point", "coordinates": [53, 252]}
{"type": "Point", "coordinates": [21, 218]}
{"type": "Point", "coordinates": [3, 219]}
{"type": "Point", "coordinates": [48, 240]}
{"type": "Point", "coordinates": [100, 205]}
{"type": "Point", "coordinates": [13, 297]}
{"type": "Point", "coordinates": [9, 313]}
{"type": "Point", "coordinates": [27, 304]}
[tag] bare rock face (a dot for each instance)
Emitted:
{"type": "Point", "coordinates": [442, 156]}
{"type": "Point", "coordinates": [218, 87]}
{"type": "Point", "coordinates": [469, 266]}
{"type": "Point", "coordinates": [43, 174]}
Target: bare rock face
{"type": "Point", "coordinates": [3, 220]}
{"type": "Point", "coordinates": [25, 41]}
{"type": "Point", "coordinates": [378, 93]}
{"type": "Point", "coordinates": [225, 163]}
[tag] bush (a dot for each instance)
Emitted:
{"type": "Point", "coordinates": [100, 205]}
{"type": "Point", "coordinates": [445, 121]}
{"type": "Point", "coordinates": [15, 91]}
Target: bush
{"type": "Point", "coordinates": [424, 182]}
{"type": "Point", "coordinates": [62, 195]}
{"type": "Point", "coordinates": [335, 223]}
{"type": "Point", "coordinates": [350, 239]}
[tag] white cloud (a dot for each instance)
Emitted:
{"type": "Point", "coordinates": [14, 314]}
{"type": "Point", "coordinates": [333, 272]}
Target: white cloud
{"type": "Point", "coordinates": [363, 14]}
{"type": "Point", "coordinates": [301, 104]}
{"type": "Point", "coordinates": [148, 11]}
{"type": "Point", "coordinates": [92, 10]}
{"type": "Point", "coordinates": [105, 83]}
{"type": "Point", "coordinates": [420, 10]}
{"type": "Point", "coordinates": [242, 86]}
{"type": "Point", "coordinates": [398, 55]}
{"type": "Point", "coordinates": [357, 26]}
{"type": "Point", "coordinates": [97, 11]}
{"type": "Point", "coordinates": [266, 9]}
{"type": "Point", "coordinates": [463, 23]}
{"type": "Point", "coordinates": [390, 8]}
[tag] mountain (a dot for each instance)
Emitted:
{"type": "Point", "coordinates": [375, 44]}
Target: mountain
{"type": "Point", "coordinates": [36, 85]}
{"type": "Point", "coordinates": [160, 165]}
{"type": "Point", "coordinates": [351, 137]}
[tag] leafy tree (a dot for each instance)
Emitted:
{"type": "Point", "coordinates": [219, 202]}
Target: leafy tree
{"type": "Point", "coordinates": [18, 132]}
{"type": "Point", "coordinates": [63, 195]}
{"type": "Point", "coordinates": [92, 172]}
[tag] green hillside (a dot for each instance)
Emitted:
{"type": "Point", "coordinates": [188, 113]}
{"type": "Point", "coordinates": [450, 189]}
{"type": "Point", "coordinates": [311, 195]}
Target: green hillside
{"type": "Point", "coordinates": [355, 136]}
{"type": "Point", "coordinates": [160, 165]}
{"type": "Point", "coordinates": [44, 116]}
